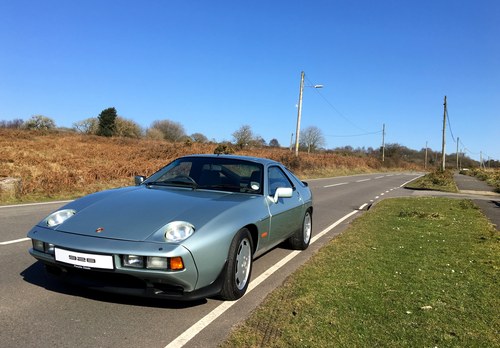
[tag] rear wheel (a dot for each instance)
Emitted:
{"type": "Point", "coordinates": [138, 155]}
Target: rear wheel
{"type": "Point", "coordinates": [300, 239]}
{"type": "Point", "coordinates": [238, 267]}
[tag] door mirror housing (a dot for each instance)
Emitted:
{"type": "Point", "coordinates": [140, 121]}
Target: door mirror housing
{"type": "Point", "coordinates": [282, 192]}
{"type": "Point", "coordinates": [139, 179]}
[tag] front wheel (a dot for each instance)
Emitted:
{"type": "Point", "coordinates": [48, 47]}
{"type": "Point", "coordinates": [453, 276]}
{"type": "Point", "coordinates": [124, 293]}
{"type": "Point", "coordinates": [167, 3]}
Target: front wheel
{"type": "Point", "coordinates": [300, 239]}
{"type": "Point", "coordinates": [238, 267]}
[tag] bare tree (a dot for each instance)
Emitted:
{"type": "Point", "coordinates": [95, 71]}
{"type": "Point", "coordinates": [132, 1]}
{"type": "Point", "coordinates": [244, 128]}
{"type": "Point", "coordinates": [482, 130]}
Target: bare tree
{"type": "Point", "coordinates": [199, 138]}
{"type": "Point", "coordinates": [127, 128]}
{"type": "Point", "coordinates": [87, 126]}
{"type": "Point", "coordinates": [172, 131]}
{"type": "Point", "coordinates": [312, 138]}
{"type": "Point", "coordinates": [154, 134]}
{"type": "Point", "coordinates": [16, 123]}
{"type": "Point", "coordinates": [259, 141]}
{"type": "Point", "coordinates": [243, 136]}
{"type": "Point", "coordinates": [274, 143]}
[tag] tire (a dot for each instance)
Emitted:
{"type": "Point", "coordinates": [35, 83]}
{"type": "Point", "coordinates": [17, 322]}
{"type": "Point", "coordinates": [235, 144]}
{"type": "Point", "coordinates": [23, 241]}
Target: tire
{"type": "Point", "coordinates": [239, 266]}
{"type": "Point", "coordinates": [300, 240]}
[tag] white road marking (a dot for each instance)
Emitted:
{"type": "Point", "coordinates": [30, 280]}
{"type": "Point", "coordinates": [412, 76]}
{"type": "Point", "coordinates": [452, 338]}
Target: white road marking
{"type": "Point", "coordinates": [27, 205]}
{"type": "Point", "coordinates": [411, 180]}
{"type": "Point", "coordinates": [32, 204]}
{"type": "Point", "coordinates": [362, 180]}
{"type": "Point", "coordinates": [201, 324]}
{"type": "Point", "coordinates": [342, 183]}
{"type": "Point", "coordinates": [14, 241]}
{"type": "Point", "coordinates": [362, 206]}
{"type": "Point", "coordinates": [379, 177]}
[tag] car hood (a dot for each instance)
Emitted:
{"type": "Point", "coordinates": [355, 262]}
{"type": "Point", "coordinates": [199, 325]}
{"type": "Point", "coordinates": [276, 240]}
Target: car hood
{"type": "Point", "coordinates": [135, 213]}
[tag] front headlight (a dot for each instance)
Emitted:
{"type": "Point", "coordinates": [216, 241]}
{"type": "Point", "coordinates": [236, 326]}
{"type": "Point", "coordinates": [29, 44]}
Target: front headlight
{"type": "Point", "coordinates": [178, 231]}
{"type": "Point", "coordinates": [59, 217]}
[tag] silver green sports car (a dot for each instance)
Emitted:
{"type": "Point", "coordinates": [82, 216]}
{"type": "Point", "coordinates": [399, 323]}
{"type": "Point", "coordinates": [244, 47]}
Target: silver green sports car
{"type": "Point", "coordinates": [189, 231]}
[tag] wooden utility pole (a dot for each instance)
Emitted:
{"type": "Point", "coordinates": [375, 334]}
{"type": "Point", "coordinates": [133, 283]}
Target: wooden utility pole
{"type": "Point", "coordinates": [425, 162]}
{"type": "Point", "coordinates": [299, 114]}
{"type": "Point", "coordinates": [383, 142]}
{"type": "Point", "coordinates": [458, 140]}
{"type": "Point", "coordinates": [443, 148]}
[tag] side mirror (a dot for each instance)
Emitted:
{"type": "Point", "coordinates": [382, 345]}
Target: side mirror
{"type": "Point", "coordinates": [282, 192]}
{"type": "Point", "coordinates": [139, 179]}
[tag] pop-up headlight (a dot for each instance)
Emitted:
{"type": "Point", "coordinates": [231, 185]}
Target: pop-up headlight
{"type": "Point", "coordinates": [177, 231]}
{"type": "Point", "coordinates": [59, 217]}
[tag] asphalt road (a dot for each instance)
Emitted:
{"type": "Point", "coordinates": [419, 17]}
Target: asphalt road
{"type": "Point", "coordinates": [39, 311]}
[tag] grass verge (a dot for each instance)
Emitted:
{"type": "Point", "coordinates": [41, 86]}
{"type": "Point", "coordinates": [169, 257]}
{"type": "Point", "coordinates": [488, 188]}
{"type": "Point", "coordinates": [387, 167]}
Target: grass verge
{"type": "Point", "coordinates": [412, 272]}
{"type": "Point", "coordinates": [436, 181]}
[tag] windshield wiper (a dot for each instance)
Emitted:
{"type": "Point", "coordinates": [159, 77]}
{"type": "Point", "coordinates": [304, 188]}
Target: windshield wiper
{"type": "Point", "coordinates": [225, 187]}
{"type": "Point", "coordinates": [159, 183]}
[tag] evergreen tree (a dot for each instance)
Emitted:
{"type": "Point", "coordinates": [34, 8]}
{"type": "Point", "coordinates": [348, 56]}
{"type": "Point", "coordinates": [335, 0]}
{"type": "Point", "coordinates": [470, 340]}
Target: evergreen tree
{"type": "Point", "coordinates": [107, 122]}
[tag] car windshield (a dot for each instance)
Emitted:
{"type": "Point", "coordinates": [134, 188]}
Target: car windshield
{"type": "Point", "coordinates": [211, 173]}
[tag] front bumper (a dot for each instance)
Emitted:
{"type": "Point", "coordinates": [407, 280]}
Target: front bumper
{"type": "Point", "coordinates": [125, 280]}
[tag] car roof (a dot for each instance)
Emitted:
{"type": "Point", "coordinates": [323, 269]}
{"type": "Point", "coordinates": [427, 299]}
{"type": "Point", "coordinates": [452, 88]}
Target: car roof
{"type": "Point", "coordinates": [264, 161]}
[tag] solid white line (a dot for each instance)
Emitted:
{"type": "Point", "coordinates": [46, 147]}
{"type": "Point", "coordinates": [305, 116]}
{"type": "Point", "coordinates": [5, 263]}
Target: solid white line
{"type": "Point", "coordinates": [342, 183]}
{"type": "Point", "coordinates": [14, 241]}
{"type": "Point", "coordinates": [362, 180]}
{"type": "Point", "coordinates": [411, 180]}
{"type": "Point", "coordinates": [33, 204]}
{"type": "Point", "coordinates": [332, 226]}
{"type": "Point", "coordinates": [196, 328]}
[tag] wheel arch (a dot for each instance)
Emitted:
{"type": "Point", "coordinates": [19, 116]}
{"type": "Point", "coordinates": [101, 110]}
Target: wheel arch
{"type": "Point", "coordinates": [254, 232]}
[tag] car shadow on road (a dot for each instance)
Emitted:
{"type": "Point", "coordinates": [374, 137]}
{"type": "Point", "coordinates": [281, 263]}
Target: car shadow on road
{"type": "Point", "coordinates": [37, 275]}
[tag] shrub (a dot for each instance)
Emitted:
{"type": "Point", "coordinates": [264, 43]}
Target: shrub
{"type": "Point", "coordinates": [39, 122]}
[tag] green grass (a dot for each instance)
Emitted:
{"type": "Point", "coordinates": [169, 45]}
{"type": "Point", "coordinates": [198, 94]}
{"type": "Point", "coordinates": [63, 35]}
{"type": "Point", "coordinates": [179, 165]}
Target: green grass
{"type": "Point", "coordinates": [436, 181]}
{"type": "Point", "coordinates": [411, 272]}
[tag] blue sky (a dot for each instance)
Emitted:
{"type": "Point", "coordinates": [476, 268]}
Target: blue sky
{"type": "Point", "coordinates": [214, 66]}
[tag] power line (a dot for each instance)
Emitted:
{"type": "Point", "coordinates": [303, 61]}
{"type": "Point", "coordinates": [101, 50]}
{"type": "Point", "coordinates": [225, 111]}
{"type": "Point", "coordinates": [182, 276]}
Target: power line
{"type": "Point", "coordinates": [467, 150]}
{"type": "Point", "coordinates": [449, 125]}
{"type": "Point", "coordinates": [334, 108]}
{"type": "Point", "coordinates": [352, 135]}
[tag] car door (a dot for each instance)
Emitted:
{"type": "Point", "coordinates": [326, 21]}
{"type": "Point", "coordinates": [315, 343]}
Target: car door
{"type": "Point", "coordinates": [285, 214]}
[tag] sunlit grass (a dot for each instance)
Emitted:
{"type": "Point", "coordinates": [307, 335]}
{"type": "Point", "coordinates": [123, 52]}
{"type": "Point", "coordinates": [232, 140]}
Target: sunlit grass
{"type": "Point", "coordinates": [437, 181]}
{"type": "Point", "coordinates": [412, 272]}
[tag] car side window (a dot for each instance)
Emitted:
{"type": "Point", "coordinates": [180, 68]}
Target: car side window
{"type": "Point", "coordinates": [277, 178]}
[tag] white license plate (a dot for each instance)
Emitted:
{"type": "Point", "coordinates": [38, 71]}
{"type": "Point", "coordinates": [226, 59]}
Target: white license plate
{"type": "Point", "coordinates": [83, 260]}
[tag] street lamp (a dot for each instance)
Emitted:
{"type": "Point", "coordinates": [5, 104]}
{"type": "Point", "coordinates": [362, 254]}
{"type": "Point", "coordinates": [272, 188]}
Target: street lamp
{"type": "Point", "coordinates": [299, 113]}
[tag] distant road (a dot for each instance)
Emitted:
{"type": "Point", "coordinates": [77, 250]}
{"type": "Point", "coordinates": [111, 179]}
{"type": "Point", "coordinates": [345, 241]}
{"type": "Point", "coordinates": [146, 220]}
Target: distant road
{"type": "Point", "coordinates": [38, 311]}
